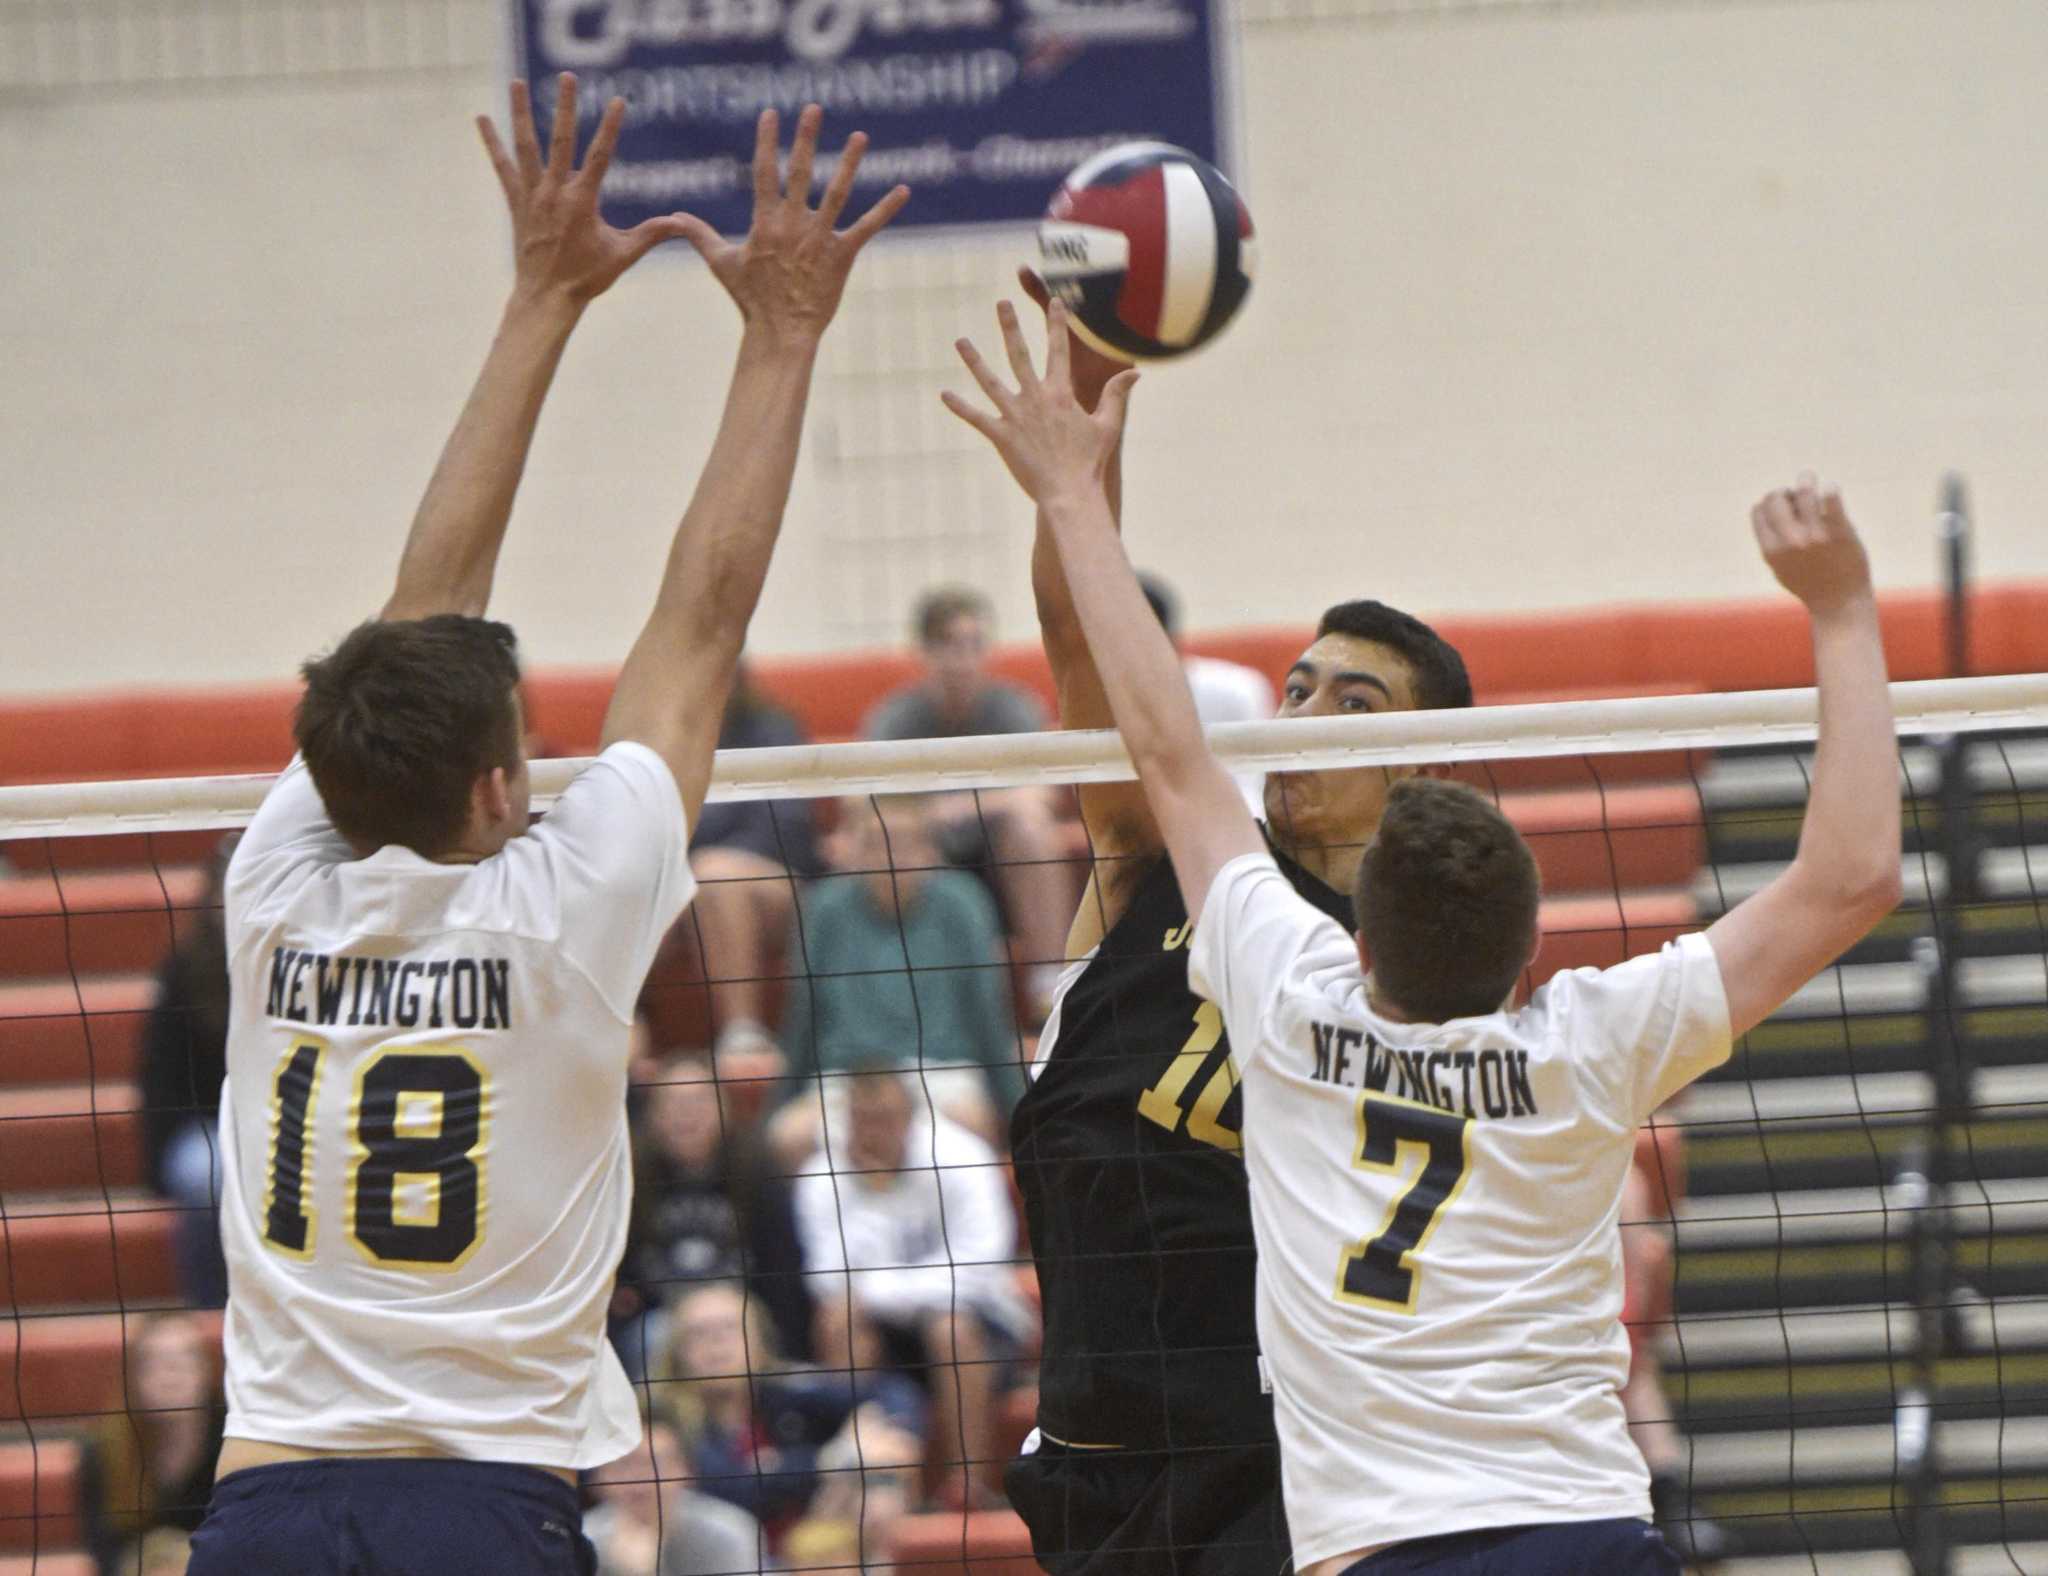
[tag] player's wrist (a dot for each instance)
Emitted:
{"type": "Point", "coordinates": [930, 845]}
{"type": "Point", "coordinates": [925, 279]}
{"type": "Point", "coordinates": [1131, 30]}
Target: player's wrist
{"type": "Point", "coordinates": [1852, 604]}
{"type": "Point", "coordinates": [548, 304]}
{"type": "Point", "coordinates": [767, 336]}
{"type": "Point", "coordinates": [1073, 502]}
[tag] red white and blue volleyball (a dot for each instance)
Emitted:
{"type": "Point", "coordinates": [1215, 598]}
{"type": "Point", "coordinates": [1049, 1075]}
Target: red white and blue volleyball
{"type": "Point", "coordinates": [1150, 248]}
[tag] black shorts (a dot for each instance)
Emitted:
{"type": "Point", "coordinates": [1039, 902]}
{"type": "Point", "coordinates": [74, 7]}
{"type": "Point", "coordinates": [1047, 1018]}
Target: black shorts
{"type": "Point", "coordinates": [1566, 1548]}
{"type": "Point", "coordinates": [1185, 1512]}
{"type": "Point", "coordinates": [392, 1518]}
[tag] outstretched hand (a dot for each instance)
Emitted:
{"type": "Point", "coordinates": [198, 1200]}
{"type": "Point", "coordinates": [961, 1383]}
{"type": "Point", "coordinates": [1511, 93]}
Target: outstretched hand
{"type": "Point", "coordinates": [1810, 545]}
{"type": "Point", "coordinates": [789, 271]}
{"type": "Point", "coordinates": [1051, 444]}
{"type": "Point", "coordinates": [1092, 371]}
{"type": "Point", "coordinates": [559, 240]}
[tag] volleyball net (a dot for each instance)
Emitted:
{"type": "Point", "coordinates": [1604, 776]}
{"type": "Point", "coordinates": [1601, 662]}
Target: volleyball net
{"type": "Point", "coordinates": [1836, 1245]}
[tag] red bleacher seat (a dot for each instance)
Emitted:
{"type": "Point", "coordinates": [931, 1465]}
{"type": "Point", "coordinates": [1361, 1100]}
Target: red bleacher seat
{"type": "Point", "coordinates": [89, 1254]}
{"type": "Point", "coordinates": [40, 1494]}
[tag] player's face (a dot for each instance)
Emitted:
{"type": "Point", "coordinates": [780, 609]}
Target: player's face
{"type": "Point", "coordinates": [1338, 676]}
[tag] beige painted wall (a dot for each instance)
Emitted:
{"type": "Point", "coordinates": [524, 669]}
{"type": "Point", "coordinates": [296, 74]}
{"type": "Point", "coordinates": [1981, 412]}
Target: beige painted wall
{"type": "Point", "coordinates": [1547, 296]}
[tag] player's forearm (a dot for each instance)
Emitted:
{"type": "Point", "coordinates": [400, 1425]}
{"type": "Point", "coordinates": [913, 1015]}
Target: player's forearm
{"type": "Point", "coordinates": [1139, 670]}
{"type": "Point", "coordinates": [1849, 841]}
{"type": "Point", "coordinates": [719, 561]}
{"type": "Point", "coordinates": [1056, 617]}
{"type": "Point", "coordinates": [451, 554]}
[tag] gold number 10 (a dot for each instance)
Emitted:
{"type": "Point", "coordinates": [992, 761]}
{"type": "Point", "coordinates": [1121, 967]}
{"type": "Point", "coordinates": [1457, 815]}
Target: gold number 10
{"type": "Point", "coordinates": [1162, 1102]}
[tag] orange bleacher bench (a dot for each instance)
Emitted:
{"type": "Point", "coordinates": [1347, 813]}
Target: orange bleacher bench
{"type": "Point", "coordinates": [1633, 649]}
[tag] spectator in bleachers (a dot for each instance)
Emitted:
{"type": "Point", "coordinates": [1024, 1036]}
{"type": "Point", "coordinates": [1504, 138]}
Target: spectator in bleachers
{"type": "Point", "coordinates": [153, 1449]}
{"type": "Point", "coordinates": [1223, 691]}
{"type": "Point", "coordinates": [184, 1059]}
{"type": "Point", "coordinates": [898, 962]}
{"type": "Point", "coordinates": [815, 1454]}
{"type": "Point", "coordinates": [912, 1230]}
{"type": "Point", "coordinates": [747, 857]}
{"type": "Point", "coordinates": [703, 1209]}
{"type": "Point", "coordinates": [647, 1522]}
{"type": "Point", "coordinates": [1013, 832]}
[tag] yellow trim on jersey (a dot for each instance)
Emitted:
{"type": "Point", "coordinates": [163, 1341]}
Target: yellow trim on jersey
{"type": "Point", "coordinates": [1069, 1444]}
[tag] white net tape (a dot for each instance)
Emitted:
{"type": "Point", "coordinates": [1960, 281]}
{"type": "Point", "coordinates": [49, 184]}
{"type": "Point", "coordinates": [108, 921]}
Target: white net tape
{"type": "Point", "coordinates": [1549, 729]}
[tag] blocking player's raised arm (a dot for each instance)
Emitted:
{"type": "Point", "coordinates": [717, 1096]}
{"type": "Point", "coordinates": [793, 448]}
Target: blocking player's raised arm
{"type": "Point", "coordinates": [565, 256]}
{"type": "Point", "coordinates": [786, 277]}
{"type": "Point", "coordinates": [1060, 454]}
{"type": "Point", "coordinates": [1844, 877]}
{"type": "Point", "coordinates": [1122, 833]}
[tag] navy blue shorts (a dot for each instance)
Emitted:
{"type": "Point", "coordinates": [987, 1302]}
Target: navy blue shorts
{"type": "Point", "coordinates": [392, 1518]}
{"type": "Point", "coordinates": [1564, 1548]}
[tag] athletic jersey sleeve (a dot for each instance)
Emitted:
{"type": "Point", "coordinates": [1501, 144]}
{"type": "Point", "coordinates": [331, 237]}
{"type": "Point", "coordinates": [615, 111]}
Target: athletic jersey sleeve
{"type": "Point", "coordinates": [1255, 938]}
{"type": "Point", "coordinates": [291, 832]}
{"type": "Point", "coordinates": [1641, 1031]}
{"type": "Point", "coordinates": [617, 848]}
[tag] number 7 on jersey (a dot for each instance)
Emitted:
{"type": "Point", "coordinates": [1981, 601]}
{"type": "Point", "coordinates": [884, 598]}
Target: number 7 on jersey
{"type": "Point", "coordinates": [1379, 1271]}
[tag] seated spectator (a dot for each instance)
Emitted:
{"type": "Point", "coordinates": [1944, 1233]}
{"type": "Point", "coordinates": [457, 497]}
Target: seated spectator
{"type": "Point", "coordinates": [646, 1522]}
{"type": "Point", "coordinates": [184, 1059]}
{"type": "Point", "coordinates": [152, 1455]}
{"type": "Point", "coordinates": [1223, 691]}
{"type": "Point", "coordinates": [912, 1229]}
{"type": "Point", "coordinates": [813, 1454]}
{"type": "Point", "coordinates": [1013, 829]}
{"type": "Point", "coordinates": [746, 857]}
{"type": "Point", "coordinates": [703, 1210]}
{"type": "Point", "coordinates": [900, 965]}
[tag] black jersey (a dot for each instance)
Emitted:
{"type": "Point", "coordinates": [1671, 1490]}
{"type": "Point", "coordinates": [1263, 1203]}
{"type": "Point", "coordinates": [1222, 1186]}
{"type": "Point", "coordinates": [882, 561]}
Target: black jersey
{"type": "Point", "coordinates": [1127, 1153]}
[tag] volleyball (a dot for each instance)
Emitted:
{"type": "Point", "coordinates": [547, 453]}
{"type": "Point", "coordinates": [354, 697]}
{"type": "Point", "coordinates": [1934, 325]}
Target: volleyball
{"type": "Point", "coordinates": [1150, 248]}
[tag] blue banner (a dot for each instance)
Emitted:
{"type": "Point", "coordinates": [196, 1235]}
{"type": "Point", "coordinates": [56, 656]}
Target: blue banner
{"type": "Point", "coordinates": [980, 106]}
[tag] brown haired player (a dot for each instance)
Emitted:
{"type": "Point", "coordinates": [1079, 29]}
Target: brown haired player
{"type": "Point", "coordinates": [1436, 1182]}
{"type": "Point", "coordinates": [424, 1151]}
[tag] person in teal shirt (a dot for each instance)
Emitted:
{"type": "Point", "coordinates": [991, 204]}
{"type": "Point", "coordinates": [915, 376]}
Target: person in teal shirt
{"type": "Point", "coordinates": [897, 961]}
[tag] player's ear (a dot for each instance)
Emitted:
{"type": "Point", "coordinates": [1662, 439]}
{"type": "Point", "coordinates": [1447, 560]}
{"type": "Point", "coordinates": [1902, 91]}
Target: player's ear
{"type": "Point", "coordinates": [493, 796]}
{"type": "Point", "coordinates": [1364, 952]}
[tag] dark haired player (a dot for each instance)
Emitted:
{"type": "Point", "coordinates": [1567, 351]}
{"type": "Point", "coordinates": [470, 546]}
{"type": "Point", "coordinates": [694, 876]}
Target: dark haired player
{"type": "Point", "coordinates": [424, 1152]}
{"type": "Point", "coordinates": [1155, 1452]}
{"type": "Point", "coordinates": [1436, 1181]}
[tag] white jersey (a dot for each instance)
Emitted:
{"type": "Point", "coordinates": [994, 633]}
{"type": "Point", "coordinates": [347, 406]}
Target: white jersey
{"type": "Point", "coordinates": [1437, 1209]}
{"type": "Point", "coordinates": [426, 1176]}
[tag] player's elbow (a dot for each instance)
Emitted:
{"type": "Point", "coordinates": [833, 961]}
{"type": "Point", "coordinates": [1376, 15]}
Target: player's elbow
{"type": "Point", "coordinates": [1880, 889]}
{"type": "Point", "coordinates": [1856, 894]}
